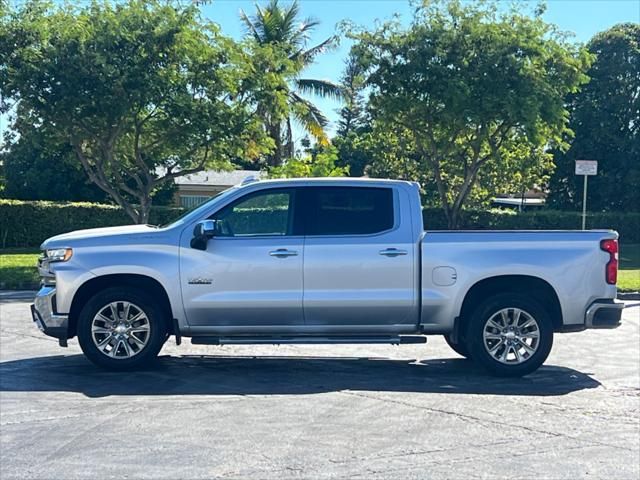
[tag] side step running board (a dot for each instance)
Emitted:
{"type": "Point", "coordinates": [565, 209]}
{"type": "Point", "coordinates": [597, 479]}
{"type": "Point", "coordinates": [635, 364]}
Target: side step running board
{"type": "Point", "coordinates": [265, 340]}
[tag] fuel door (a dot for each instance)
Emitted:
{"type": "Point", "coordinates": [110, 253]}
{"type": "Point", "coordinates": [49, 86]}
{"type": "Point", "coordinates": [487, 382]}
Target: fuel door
{"type": "Point", "coordinates": [444, 276]}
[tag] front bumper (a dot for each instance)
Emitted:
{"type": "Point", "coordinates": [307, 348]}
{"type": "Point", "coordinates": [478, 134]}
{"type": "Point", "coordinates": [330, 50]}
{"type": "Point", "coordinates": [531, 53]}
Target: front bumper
{"type": "Point", "coordinates": [44, 315]}
{"type": "Point", "coordinates": [603, 314]}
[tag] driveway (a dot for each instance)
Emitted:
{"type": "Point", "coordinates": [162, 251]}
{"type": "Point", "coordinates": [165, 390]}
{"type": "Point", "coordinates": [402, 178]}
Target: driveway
{"type": "Point", "coordinates": [293, 412]}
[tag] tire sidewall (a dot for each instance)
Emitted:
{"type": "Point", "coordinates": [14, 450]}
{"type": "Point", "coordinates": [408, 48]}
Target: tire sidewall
{"type": "Point", "coordinates": [475, 340]}
{"type": "Point", "coordinates": [96, 303]}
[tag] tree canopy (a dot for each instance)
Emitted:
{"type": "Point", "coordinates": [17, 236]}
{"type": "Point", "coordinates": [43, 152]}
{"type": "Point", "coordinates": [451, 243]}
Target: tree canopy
{"type": "Point", "coordinates": [320, 162]}
{"type": "Point", "coordinates": [471, 99]}
{"type": "Point", "coordinates": [471, 95]}
{"type": "Point", "coordinates": [39, 168]}
{"type": "Point", "coordinates": [605, 116]}
{"type": "Point", "coordinates": [143, 91]}
{"type": "Point", "coordinates": [281, 28]}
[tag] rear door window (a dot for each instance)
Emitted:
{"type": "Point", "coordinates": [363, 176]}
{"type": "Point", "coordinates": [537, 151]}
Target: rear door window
{"type": "Point", "coordinates": [348, 210]}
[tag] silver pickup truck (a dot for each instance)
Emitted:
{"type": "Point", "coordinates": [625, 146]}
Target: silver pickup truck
{"type": "Point", "coordinates": [324, 261]}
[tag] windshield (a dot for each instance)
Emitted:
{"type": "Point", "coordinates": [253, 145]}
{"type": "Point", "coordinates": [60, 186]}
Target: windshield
{"type": "Point", "coordinates": [196, 211]}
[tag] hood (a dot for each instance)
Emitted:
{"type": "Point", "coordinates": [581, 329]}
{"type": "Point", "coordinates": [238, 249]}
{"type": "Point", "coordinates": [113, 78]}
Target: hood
{"type": "Point", "coordinates": [92, 235]}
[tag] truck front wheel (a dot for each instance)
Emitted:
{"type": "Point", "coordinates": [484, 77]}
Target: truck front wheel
{"type": "Point", "coordinates": [121, 329]}
{"type": "Point", "coordinates": [510, 335]}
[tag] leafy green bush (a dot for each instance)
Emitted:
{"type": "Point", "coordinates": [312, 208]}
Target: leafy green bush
{"type": "Point", "coordinates": [28, 223]}
{"type": "Point", "coordinates": [626, 224]}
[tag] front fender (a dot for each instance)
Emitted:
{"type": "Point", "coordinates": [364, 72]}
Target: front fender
{"type": "Point", "coordinates": [158, 262]}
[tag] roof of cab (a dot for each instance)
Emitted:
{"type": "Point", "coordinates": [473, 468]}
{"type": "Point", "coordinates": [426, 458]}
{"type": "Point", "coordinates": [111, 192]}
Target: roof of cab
{"type": "Point", "coordinates": [328, 181]}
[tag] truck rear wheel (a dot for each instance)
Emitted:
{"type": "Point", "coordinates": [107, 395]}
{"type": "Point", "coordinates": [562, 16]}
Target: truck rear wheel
{"type": "Point", "coordinates": [121, 329]}
{"type": "Point", "coordinates": [510, 335]}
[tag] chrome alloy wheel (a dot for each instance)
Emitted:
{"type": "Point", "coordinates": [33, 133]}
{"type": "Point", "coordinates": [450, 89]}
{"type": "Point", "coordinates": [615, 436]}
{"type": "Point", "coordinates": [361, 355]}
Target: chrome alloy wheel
{"type": "Point", "coordinates": [511, 336]}
{"type": "Point", "coordinates": [120, 330]}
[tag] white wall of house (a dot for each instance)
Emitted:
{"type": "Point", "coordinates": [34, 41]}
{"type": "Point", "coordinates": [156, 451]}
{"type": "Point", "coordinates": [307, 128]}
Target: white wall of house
{"type": "Point", "coordinates": [197, 188]}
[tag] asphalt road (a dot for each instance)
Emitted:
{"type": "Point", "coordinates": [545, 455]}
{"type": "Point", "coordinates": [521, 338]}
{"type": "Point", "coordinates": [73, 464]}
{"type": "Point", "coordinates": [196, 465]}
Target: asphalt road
{"type": "Point", "coordinates": [294, 412]}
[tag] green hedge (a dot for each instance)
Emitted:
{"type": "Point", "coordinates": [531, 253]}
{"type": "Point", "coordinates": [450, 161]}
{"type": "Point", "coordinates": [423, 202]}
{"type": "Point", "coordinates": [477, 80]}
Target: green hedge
{"type": "Point", "coordinates": [626, 224]}
{"type": "Point", "coordinates": [27, 224]}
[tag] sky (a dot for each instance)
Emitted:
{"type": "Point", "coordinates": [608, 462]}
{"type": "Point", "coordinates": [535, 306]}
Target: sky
{"type": "Point", "coordinates": [584, 18]}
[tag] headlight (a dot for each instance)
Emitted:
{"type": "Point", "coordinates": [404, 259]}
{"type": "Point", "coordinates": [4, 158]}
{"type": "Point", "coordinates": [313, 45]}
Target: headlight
{"type": "Point", "coordinates": [59, 254]}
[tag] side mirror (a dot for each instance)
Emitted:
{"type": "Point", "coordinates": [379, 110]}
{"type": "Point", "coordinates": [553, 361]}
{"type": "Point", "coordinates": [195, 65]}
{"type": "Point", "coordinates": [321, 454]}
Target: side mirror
{"type": "Point", "coordinates": [205, 228]}
{"type": "Point", "coordinates": [202, 232]}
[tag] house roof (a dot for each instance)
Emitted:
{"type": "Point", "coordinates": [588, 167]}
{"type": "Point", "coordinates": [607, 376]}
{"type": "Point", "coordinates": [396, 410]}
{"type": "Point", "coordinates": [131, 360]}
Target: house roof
{"type": "Point", "coordinates": [216, 178]}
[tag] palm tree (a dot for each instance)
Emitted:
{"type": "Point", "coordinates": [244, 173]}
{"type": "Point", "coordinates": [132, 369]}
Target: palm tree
{"type": "Point", "coordinates": [280, 26]}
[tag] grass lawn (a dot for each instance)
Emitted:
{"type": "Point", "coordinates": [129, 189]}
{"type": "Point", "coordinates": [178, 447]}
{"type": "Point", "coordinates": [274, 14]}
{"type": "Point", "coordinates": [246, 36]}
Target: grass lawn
{"type": "Point", "coordinates": [629, 273]}
{"type": "Point", "coordinates": [18, 268]}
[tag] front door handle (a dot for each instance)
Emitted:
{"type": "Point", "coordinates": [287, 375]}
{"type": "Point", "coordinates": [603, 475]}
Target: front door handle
{"type": "Point", "coordinates": [392, 252]}
{"type": "Point", "coordinates": [283, 252]}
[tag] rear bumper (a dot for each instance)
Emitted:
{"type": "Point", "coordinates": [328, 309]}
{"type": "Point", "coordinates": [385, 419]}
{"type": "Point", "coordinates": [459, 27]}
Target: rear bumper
{"type": "Point", "coordinates": [603, 314]}
{"type": "Point", "coordinates": [44, 315]}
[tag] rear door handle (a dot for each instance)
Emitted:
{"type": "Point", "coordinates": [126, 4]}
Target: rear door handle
{"type": "Point", "coordinates": [392, 252]}
{"type": "Point", "coordinates": [283, 252]}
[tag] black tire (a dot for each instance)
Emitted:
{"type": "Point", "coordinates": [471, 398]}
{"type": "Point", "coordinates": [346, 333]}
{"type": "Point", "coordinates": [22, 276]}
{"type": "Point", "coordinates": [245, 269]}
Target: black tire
{"type": "Point", "coordinates": [460, 348]}
{"type": "Point", "coordinates": [157, 334]}
{"type": "Point", "coordinates": [529, 361]}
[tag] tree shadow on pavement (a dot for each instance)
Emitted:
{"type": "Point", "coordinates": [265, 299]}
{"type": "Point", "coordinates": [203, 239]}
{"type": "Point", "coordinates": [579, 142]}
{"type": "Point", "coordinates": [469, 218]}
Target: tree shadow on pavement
{"type": "Point", "coordinates": [264, 375]}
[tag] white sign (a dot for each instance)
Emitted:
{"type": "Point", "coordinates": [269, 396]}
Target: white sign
{"type": "Point", "coordinates": [586, 167]}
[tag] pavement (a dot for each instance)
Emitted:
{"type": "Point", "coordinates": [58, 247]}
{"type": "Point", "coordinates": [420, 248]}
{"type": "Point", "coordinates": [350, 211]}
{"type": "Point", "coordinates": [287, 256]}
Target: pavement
{"type": "Point", "coordinates": [297, 412]}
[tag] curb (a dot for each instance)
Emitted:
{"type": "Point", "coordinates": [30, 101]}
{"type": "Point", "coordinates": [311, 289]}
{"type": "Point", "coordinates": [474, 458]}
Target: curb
{"type": "Point", "coordinates": [17, 294]}
{"type": "Point", "coordinates": [628, 295]}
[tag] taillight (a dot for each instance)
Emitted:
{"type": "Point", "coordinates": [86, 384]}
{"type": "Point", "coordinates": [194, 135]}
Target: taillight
{"type": "Point", "coordinates": [611, 270]}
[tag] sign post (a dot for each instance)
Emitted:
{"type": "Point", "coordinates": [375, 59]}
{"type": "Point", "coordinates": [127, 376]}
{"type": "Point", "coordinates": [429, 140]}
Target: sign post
{"type": "Point", "coordinates": [585, 168]}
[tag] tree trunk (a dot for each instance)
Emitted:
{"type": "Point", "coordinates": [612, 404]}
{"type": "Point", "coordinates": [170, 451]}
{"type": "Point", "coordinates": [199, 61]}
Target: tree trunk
{"type": "Point", "coordinates": [275, 159]}
{"type": "Point", "coordinates": [289, 147]}
{"type": "Point", "coordinates": [97, 175]}
{"type": "Point", "coordinates": [450, 211]}
{"type": "Point", "coordinates": [144, 212]}
{"type": "Point", "coordinates": [453, 218]}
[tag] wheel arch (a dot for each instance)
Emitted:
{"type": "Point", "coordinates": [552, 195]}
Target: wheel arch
{"type": "Point", "coordinates": [532, 286]}
{"type": "Point", "coordinates": [92, 286]}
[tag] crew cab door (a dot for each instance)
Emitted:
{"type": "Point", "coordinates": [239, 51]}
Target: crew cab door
{"type": "Point", "coordinates": [359, 268]}
{"type": "Point", "coordinates": [250, 274]}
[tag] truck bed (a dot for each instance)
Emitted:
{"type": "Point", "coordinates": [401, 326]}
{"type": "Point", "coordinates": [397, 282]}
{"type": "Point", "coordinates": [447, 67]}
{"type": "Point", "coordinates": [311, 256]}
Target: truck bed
{"type": "Point", "coordinates": [570, 261]}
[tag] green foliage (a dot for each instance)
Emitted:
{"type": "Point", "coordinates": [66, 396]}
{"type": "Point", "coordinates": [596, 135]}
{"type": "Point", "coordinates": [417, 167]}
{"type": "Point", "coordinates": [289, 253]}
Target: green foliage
{"type": "Point", "coordinates": [352, 84]}
{"type": "Point", "coordinates": [281, 29]}
{"type": "Point", "coordinates": [605, 116]}
{"type": "Point", "coordinates": [318, 164]}
{"type": "Point", "coordinates": [354, 152]}
{"type": "Point", "coordinates": [352, 139]}
{"type": "Point", "coordinates": [630, 256]}
{"type": "Point", "coordinates": [474, 97]}
{"type": "Point", "coordinates": [27, 224]}
{"type": "Point", "coordinates": [626, 224]}
{"type": "Point", "coordinates": [37, 167]}
{"type": "Point", "coordinates": [143, 91]}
